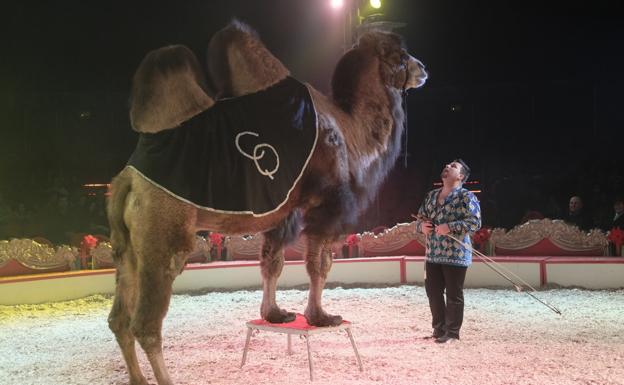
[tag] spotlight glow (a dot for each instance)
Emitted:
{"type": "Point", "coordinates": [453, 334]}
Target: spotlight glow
{"type": "Point", "coordinates": [336, 4]}
{"type": "Point", "coordinates": [375, 4]}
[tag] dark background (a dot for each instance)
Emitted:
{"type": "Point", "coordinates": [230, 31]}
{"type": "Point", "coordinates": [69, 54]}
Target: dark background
{"type": "Point", "coordinates": [529, 96]}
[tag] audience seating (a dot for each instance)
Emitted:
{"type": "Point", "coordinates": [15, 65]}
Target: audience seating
{"type": "Point", "coordinates": [539, 237]}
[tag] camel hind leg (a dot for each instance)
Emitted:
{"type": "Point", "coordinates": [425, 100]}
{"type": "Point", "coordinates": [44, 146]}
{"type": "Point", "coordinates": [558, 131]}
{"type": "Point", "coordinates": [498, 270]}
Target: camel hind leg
{"type": "Point", "coordinates": [162, 244]}
{"type": "Point", "coordinates": [125, 278]}
{"type": "Point", "coordinates": [318, 264]}
{"type": "Point", "coordinates": [140, 305]}
{"type": "Point", "coordinates": [271, 265]}
{"type": "Point", "coordinates": [119, 320]}
{"type": "Point", "coordinates": [153, 296]}
{"type": "Point", "coordinates": [151, 234]}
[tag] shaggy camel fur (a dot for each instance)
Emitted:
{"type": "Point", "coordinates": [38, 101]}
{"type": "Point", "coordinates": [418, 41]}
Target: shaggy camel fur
{"type": "Point", "coordinates": [360, 129]}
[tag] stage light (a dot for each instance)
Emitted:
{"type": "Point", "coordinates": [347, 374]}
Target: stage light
{"type": "Point", "coordinates": [371, 11]}
{"type": "Point", "coordinates": [336, 4]}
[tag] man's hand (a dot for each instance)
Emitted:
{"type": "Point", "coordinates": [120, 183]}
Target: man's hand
{"type": "Point", "coordinates": [426, 227]}
{"type": "Point", "coordinates": [442, 229]}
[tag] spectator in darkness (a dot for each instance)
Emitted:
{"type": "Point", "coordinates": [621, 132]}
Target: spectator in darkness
{"type": "Point", "coordinates": [618, 216]}
{"type": "Point", "coordinates": [577, 215]}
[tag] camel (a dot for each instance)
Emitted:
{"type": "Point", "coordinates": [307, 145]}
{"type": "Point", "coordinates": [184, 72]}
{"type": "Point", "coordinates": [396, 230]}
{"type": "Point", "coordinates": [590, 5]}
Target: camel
{"type": "Point", "coordinates": [359, 138]}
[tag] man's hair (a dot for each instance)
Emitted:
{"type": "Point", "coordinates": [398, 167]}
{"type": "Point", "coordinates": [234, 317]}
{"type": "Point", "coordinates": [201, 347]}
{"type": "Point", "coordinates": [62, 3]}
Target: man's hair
{"type": "Point", "coordinates": [465, 169]}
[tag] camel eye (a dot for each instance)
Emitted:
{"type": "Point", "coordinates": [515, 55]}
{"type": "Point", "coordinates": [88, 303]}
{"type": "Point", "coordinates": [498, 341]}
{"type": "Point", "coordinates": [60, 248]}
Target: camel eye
{"type": "Point", "coordinates": [396, 58]}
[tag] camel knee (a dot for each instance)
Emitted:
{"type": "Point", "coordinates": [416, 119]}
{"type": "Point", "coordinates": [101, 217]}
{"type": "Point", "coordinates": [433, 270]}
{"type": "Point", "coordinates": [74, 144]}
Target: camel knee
{"type": "Point", "coordinates": [177, 265]}
{"type": "Point", "coordinates": [150, 342]}
{"type": "Point", "coordinates": [118, 318]}
{"type": "Point", "coordinates": [326, 262]}
{"type": "Point", "coordinates": [272, 266]}
{"type": "Point", "coordinates": [313, 268]}
{"type": "Point", "coordinates": [149, 337]}
{"type": "Point", "coordinates": [117, 324]}
{"type": "Point", "coordinates": [271, 258]}
{"type": "Point", "coordinates": [318, 268]}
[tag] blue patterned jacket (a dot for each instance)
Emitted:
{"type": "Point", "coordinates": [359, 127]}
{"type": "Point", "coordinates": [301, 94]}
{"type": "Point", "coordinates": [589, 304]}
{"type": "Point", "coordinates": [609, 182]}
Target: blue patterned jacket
{"type": "Point", "coordinates": [462, 213]}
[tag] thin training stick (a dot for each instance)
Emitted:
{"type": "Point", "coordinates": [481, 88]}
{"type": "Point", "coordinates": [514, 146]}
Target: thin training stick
{"type": "Point", "coordinates": [491, 263]}
{"type": "Point", "coordinates": [498, 268]}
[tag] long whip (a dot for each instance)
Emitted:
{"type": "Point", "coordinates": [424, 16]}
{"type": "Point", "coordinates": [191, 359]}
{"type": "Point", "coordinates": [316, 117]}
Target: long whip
{"type": "Point", "coordinates": [497, 267]}
{"type": "Point", "coordinates": [502, 271]}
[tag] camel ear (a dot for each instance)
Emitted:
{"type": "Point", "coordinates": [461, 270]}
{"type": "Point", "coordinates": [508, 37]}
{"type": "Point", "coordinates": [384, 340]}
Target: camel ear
{"type": "Point", "coordinates": [167, 89]}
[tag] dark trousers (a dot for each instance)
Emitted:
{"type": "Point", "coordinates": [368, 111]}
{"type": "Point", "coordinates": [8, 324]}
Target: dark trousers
{"type": "Point", "coordinates": [447, 316]}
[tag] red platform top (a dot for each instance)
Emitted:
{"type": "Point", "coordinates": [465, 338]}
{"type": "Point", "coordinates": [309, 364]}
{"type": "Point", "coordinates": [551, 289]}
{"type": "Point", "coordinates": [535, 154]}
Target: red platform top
{"type": "Point", "coordinates": [300, 323]}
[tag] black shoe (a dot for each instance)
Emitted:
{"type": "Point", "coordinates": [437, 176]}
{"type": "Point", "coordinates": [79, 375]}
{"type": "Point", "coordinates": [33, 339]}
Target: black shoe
{"type": "Point", "coordinates": [446, 339]}
{"type": "Point", "coordinates": [435, 335]}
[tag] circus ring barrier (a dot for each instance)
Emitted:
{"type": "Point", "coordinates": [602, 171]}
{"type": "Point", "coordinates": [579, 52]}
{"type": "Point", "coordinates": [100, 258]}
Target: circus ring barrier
{"type": "Point", "coordinates": [34, 272]}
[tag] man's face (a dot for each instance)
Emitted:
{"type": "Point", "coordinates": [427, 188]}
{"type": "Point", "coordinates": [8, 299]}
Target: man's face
{"type": "Point", "coordinates": [618, 207]}
{"type": "Point", "coordinates": [452, 172]}
{"type": "Point", "coordinates": [575, 204]}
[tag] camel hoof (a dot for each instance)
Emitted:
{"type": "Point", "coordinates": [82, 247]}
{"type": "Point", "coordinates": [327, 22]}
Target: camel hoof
{"type": "Point", "coordinates": [324, 320]}
{"type": "Point", "coordinates": [141, 381]}
{"type": "Point", "coordinates": [279, 316]}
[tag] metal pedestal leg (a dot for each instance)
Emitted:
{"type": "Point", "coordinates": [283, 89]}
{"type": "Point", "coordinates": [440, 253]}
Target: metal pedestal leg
{"type": "Point", "coordinates": [249, 330]}
{"type": "Point", "coordinates": [357, 354]}
{"type": "Point", "coordinates": [307, 338]}
{"type": "Point", "coordinates": [306, 333]}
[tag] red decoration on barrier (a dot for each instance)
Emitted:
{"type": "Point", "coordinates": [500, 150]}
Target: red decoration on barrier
{"type": "Point", "coordinates": [481, 237]}
{"type": "Point", "coordinates": [616, 236]}
{"type": "Point", "coordinates": [88, 243]}
{"type": "Point", "coordinates": [216, 239]}
{"type": "Point", "coordinates": [352, 240]}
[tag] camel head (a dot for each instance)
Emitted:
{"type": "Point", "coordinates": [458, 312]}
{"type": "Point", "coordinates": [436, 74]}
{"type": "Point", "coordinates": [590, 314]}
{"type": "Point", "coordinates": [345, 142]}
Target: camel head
{"type": "Point", "coordinates": [168, 88]}
{"type": "Point", "coordinates": [237, 48]}
{"type": "Point", "coordinates": [380, 55]}
{"type": "Point", "coordinates": [398, 68]}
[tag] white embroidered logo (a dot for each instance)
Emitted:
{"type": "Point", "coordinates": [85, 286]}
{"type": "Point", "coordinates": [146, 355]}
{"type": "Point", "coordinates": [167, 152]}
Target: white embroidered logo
{"type": "Point", "coordinates": [258, 154]}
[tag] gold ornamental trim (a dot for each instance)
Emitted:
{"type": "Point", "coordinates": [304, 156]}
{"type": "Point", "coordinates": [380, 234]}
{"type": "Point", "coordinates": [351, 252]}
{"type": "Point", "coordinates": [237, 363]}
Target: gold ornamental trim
{"type": "Point", "coordinates": [35, 255]}
{"type": "Point", "coordinates": [250, 245]}
{"type": "Point", "coordinates": [563, 235]}
{"type": "Point", "coordinates": [103, 253]}
{"type": "Point", "coordinates": [391, 239]}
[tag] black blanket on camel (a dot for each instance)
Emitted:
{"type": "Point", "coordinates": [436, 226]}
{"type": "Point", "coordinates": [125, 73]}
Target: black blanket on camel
{"type": "Point", "coordinates": [241, 156]}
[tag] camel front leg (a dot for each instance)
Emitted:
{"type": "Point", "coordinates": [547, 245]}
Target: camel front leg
{"type": "Point", "coordinates": [271, 265]}
{"type": "Point", "coordinates": [318, 264]}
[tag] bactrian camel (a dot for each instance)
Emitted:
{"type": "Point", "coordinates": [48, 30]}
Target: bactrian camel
{"type": "Point", "coordinates": [359, 139]}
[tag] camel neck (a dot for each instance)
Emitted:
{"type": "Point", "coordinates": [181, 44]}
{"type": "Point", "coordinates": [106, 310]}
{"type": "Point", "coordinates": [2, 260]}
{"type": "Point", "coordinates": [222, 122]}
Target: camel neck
{"type": "Point", "coordinates": [378, 121]}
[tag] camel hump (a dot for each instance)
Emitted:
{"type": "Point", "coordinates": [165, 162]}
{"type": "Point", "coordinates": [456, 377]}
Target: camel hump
{"type": "Point", "coordinates": [239, 63]}
{"type": "Point", "coordinates": [168, 88]}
